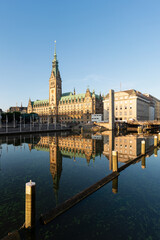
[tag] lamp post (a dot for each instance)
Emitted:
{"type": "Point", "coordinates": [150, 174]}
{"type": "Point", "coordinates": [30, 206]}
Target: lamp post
{"type": "Point", "coordinates": [30, 124]}
{"type": "Point", "coordinates": [48, 123]}
{"type": "Point", "coordinates": [14, 120]}
{"type": "Point", "coordinates": [55, 123]}
{"type": "Point", "coordinates": [20, 123]}
{"type": "Point", "coordinates": [0, 120]}
{"type": "Point", "coordinates": [24, 122]}
{"type": "Point", "coordinates": [6, 123]}
{"type": "Point", "coordinates": [33, 120]}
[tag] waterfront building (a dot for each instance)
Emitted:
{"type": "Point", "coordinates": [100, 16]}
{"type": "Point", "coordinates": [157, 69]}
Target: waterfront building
{"type": "Point", "coordinates": [156, 104]}
{"type": "Point", "coordinates": [20, 109]}
{"type": "Point", "coordinates": [129, 105]}
{"type": "Point", "coordinates": [65, 107]}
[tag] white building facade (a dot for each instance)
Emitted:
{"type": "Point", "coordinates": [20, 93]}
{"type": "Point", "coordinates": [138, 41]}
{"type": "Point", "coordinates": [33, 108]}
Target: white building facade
{"type": "Point", "coordinates": [129, 105]}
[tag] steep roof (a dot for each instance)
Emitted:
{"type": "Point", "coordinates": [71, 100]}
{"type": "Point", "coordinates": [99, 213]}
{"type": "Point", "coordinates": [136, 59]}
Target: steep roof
{"type": "Point", "coordinates": [70, 95]}
{"type": "Point", "coordinates": [67, 94]}
{"type": "Point", "coordinates": [40, 102]}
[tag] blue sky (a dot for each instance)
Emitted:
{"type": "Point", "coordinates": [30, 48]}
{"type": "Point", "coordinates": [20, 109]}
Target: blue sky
{"type": "Point", "coordinates": [100, 44]}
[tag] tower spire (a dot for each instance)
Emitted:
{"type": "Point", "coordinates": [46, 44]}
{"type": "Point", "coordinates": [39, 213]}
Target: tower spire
{"type": "Point", "coordinates": [55, 62]}
{"type": "Point", "coordinates": [55, 55]}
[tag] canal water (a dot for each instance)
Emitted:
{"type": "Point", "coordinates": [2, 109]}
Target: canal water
{"type": "Point", "coordinates": [62, 165]}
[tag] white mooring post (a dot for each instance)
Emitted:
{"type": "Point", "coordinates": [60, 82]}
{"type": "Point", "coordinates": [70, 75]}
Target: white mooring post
{"type": "Point", "coordinates": [158, 138]}
{"type": "Point", "coordinates": [115, 161]}
{"type": "Point", "coordinates": [30, 204]}
{"type": "Point", "coordinates": [143, 147]}
{"type": "Point", "coordinates": [155, 141]}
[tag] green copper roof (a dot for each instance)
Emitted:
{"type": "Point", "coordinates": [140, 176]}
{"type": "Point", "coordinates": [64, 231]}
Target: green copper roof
{"type": "Point", "coordinates": [72, 154]}
{"type": "Point", "coordinates": [39, 148]}
{"type": "Point", "coordinates": [67, 94]}
{"type": "Point", "coordinates": [40, 101]}
{"type": "Point", "coordinates": [69, 97]}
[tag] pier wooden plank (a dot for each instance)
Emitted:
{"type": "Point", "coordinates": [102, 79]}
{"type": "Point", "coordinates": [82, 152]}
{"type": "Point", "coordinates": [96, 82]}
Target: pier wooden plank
{"type": "Point", "coordinates": [48, 217]}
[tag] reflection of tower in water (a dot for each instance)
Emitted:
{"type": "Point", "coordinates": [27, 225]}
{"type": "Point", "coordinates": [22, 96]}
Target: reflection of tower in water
{"type": "Point", "coordinates": [55, 165]}
{"type": "Point", "coordinates": [69, 146]}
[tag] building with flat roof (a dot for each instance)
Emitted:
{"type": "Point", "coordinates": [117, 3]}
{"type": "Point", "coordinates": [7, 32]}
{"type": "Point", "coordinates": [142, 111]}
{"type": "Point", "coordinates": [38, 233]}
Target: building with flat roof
{"type": "Point", "coordinates": [156, 104]}
{"type": "Point", "coordinates": [130, 104]}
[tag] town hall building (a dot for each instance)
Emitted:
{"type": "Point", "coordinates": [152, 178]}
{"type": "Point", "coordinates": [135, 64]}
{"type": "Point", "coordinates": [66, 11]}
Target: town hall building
{"type": "Point", "coordinates": [65, 107]}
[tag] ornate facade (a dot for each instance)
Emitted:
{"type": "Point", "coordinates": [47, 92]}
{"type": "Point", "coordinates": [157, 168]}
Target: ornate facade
{"type": "Point", "coordinates": [71, 147]}
{"type": "Point", "coordinates": [67, 107]}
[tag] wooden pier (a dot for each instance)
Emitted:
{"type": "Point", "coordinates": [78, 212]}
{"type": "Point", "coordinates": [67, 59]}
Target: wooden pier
{"type": "Point", "coordinates": [48, 217]}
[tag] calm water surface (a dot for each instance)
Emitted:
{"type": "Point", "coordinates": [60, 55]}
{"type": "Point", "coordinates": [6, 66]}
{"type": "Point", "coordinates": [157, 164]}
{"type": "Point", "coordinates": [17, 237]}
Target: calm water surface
{"type": "Point", "coordinates": [62, 166]}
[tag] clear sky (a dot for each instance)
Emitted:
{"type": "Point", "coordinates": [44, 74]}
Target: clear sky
{"type": "Point", "coordinates": [100, 44]}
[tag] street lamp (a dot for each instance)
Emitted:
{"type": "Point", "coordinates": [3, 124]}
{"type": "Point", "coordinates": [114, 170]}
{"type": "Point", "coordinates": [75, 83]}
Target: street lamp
{"type": "Point", "coordinates": [20, 123]}
{"type": "Point", "coordinates": [0, 120]}
{"type": "Point", "coordinates": [6, 123]}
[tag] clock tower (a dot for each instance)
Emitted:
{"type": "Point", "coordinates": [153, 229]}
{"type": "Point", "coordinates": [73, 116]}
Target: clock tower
{"type": "Point", "coordinates": [55, 86]}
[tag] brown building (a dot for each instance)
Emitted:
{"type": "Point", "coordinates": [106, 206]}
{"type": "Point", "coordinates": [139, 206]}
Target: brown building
{"type": "Point", "coordinates": [67, 107]}
{"type": "Point", "coordinates": [17, 109]}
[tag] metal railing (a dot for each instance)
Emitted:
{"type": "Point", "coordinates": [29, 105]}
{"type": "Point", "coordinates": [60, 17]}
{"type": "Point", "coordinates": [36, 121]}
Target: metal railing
{"type": "Point", "coordinates": [30, 127]}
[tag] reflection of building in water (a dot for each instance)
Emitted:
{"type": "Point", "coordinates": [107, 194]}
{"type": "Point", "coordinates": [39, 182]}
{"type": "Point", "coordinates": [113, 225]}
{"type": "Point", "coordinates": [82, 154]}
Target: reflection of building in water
{"type": "Point", "coordinates": [71, 146]}
{"type": "Point", "coordinates": [77, 146]}
{"type": "Point", "coordinates": [50, 144]}
{"type": "Point", "coordinates": [55, 165]}
{"type": "Point", "coordinates": [128, 147]}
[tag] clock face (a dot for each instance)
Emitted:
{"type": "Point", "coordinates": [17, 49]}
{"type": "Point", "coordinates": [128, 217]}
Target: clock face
{"type": "Point", "coordinates": [52, 84]}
